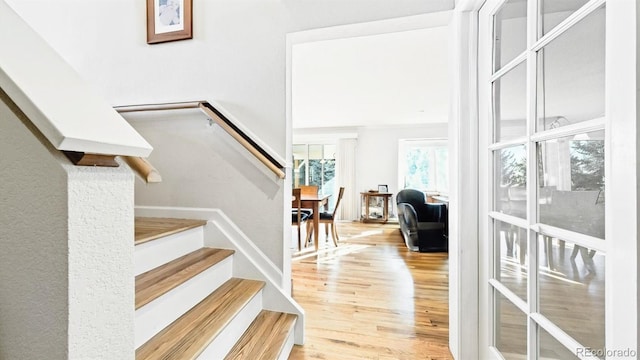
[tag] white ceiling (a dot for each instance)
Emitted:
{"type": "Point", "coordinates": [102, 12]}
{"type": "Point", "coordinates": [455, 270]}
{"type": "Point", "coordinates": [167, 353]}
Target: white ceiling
{"type": "Point", "coordinates": [395, 78]}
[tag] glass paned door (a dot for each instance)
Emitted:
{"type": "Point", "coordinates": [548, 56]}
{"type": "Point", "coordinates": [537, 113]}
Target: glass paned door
{"type": "Point", "coordinates": [544, 140]}
{"type": "Point", "coordinates": [510, 104]}
{"type": "Point", "coordinates": [510, 29]}
{"type": "Point", "coordinates": [570, 80]}
{"type": "Point", "coordinates": [554, 11]}
{"type": "Point", "coordinates": [510, 190]}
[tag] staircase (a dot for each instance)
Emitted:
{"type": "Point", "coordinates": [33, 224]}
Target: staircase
{"type": "Point", "coordinates": [188, 305]}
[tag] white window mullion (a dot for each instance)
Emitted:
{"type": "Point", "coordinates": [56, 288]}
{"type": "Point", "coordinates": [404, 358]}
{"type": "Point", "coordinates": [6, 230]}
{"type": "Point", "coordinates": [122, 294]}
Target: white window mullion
{"type": "Point", "coordinates": [570, 130]}
{"type": "Point", "coordinates": [532, 177]}
{"type": "Point", "coordinates": [515, 299]}
{"type": "Point", "coordinates": [486, 259]}
{"type": "Point", "coordinates": [570, 343]}
{"type": "Point", "coordinates": [568, 23]}
{"type": "Point", "coordinates": [496, 353]}
{"type": "Point", "coordinates": [509, 219]}
{"type": "Point", "coordinates": [509, 66]}
{"type": "Point", "coordinates": [532, 183]}
{"type": "Point", "coordinates": [571, 236]}
{"type": "Point", "coordinates": [508, 143]}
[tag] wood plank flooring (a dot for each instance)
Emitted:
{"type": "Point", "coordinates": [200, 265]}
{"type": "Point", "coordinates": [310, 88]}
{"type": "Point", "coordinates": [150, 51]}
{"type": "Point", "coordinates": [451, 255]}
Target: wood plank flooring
{"type": "Point", "coordinates": [371, 298]}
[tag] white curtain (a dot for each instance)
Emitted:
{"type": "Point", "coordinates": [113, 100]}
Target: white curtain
{"type": "Point", "coordinates": [346, 176]}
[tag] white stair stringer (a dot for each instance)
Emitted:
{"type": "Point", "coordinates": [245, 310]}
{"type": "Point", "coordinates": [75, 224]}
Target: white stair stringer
{"type": "Point", "coordinates": [156, 315]}
{"type": "Point", "coordinates": [223, 343]}
{"type": "Point", "coordinates": [151, 254]}
{"type": "Point", "coordinates": [288, 345]}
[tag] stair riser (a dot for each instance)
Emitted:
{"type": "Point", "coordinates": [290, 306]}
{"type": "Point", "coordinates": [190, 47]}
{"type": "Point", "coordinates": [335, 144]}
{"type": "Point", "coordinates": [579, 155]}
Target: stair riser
{"type": "Point", "coordinates": [153, 317]}
{"type": "Point", "coordinates": [223, 343]}
{"type": "Point", "coordinates": [152, 254]}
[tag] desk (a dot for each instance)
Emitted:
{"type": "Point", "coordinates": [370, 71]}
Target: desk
{"type": "Point", "coordinates": [438, 199]}
{"type": "Point", "coordinates": [379, 203]}
{"type": "Point", "coordinates": [314, 202]}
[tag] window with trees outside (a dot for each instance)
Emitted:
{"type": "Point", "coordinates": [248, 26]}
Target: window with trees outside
{"type": "Point", "coordinates": [424, 165]}
{"type": "Point", "coordinates": [315, 164]}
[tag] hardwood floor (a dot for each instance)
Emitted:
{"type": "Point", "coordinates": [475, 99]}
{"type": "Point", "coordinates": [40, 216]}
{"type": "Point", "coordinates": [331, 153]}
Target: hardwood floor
{"type": "Point", "coordinates": [371, 298]}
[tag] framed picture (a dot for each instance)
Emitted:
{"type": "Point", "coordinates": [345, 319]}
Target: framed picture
{"type": "Point", "coordinates": [168, 20]}
{"type": "Point", "coordinates": [383, 188]}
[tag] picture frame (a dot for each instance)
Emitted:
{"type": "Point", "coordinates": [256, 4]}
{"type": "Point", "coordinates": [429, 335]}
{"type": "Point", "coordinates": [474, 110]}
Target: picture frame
{"type": "Point", "coordinates": [383, 188]}
{"type": "Point", "coordinates": [169, 20]}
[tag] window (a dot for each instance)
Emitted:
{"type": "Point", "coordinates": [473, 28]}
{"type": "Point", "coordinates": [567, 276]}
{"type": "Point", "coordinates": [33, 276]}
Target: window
{"type": "Point", "coordinates": [315, 164]}
{"type": "Point", "coordinates": [424, 165]}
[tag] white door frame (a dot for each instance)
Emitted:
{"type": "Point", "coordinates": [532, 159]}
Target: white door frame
{"type": "Point", "coordinates": [622, 69]}
{"type": "Point", "coordinates": [464, 247]}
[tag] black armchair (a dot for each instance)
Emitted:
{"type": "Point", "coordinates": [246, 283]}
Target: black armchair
{"type": "Point", "coordinates": [424, 226]}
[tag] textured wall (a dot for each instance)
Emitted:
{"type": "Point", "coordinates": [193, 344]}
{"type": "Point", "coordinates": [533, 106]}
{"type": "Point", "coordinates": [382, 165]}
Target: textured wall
{"type": "Point", "coordinates": [101, 281]}
{"type": "Point", "coordinates": [33, 251]}
{"type": "Point", "coordinates": [66, 252]}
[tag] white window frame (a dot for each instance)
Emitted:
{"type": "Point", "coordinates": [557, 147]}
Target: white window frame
{"type": "Point", "coordinates": [404, 144]}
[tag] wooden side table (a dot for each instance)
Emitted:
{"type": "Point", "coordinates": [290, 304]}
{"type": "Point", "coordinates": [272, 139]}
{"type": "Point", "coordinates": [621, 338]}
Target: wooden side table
{"type": "Point", "coordinates": [374, 206]}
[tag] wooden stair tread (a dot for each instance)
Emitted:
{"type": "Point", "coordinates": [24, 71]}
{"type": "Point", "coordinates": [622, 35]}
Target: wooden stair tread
{"type": "Point", "coordinates": [265, 337]}
{"type": "Point", "coordinates": [147, 229]}
{"type": "Point", "coordinates": [156, 282]}
{"type": "Point", "coordinates": [188, 336]}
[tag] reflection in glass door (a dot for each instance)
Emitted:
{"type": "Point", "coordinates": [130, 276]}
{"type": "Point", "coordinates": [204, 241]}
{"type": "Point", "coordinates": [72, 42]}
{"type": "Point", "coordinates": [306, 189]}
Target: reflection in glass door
{"type": "Point", "coordinates": [545, 149]}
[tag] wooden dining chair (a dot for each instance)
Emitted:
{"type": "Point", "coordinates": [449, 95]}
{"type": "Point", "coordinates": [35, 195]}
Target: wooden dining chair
{"type": "Point", "coordinates": [298, 216]}
{"type": "Point", "coordinates": [328, 219]}
{"type": "Point", "coordinates": [309, 190]}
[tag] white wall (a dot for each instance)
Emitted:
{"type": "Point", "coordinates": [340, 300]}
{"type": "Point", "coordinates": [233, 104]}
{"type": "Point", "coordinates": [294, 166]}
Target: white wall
{"type": "Point", "coordinates": [33, 263]}
{"type": "Point", "coordinates": [237, 58]}
{"type": "Point", "coordinates": [67, 251]}
{"type": "Point", "coordinates": [399, 77]}
{"type": "Point", "coordinates": [377, 153]}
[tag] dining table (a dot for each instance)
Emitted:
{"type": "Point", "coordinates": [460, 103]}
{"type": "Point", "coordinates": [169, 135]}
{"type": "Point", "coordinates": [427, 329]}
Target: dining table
{"type": "Point", "coordinates": [314, 202]}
